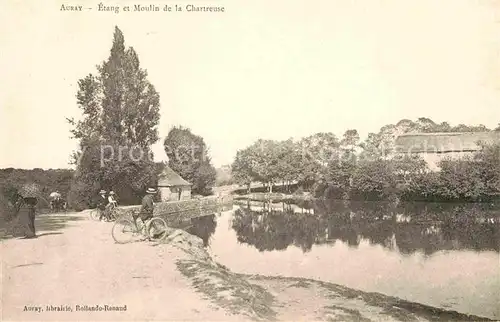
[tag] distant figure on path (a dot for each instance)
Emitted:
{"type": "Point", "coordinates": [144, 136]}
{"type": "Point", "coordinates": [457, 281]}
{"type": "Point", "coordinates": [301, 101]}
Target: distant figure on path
{"type": "Point", "coordinates": [147, 206]}
{"type": "Point", "coordinates": [102, 203]}
{"type": "Point", "coordinates": [56, 201]}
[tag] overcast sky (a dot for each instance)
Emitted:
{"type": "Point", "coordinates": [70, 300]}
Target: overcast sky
{"type": "Point", "coordinates": [263, 69]}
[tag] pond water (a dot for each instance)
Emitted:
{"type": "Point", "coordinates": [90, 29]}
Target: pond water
{"type": "Point", "coordinates": [443, 255]}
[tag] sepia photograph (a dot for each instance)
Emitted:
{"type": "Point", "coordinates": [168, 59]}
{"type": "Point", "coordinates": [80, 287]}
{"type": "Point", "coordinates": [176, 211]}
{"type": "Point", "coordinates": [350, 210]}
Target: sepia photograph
{"type": "Point", "coordinates": [217, 160]}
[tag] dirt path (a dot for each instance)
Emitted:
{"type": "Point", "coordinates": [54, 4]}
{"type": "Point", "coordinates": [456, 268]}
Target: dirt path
{"type": "Point", "coordinates": [75, 261]}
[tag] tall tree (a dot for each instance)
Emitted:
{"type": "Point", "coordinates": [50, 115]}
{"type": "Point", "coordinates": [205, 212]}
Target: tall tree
{"type": "Point", "coordinates": [188, 155]}
{"type": "Point", "coordinates": [350, 141]}
{"type": "Point", "coordinates": [443, 127]}
{"type": "Point", "coordinates": [289, 162]}
{"type": "Point", "coordinates": [265, 161]}
{"type": "Point", "coordinates": [371, 147]}
{"type": "Point", "coordinates": [241, 168]}
{"type": "Point", "coordinates": [426, 125]}
{"type": "Point", "coordinates": [317, 151]}
{"type": "Point", "coordinates": [322, 147]}
{"type": "Point", "coordinates": [120, 115]}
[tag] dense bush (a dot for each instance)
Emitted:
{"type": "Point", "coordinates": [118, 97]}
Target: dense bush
{"type": "Point", "coordinates": [127, 176]}
{"type": "Point", "coordinates": [468, 179]}
{"type": "Point", "coordinates": [374, 180]}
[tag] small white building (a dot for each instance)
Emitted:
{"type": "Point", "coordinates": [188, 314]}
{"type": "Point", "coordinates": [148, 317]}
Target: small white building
{"type": "Point", "coordinates": [436, 147]}
{"type": "Point", "coordinates": [172, 186]}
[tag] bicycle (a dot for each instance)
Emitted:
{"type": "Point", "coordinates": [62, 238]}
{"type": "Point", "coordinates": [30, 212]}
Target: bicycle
{"type": "Point", "coordinates": [95, 214]}
{"type": "Point", "coordinates": [114, 213]}
{"type": "Point", "coordinates": [125, 230]}
{"type": "Point", "coordinates": [58, 205]}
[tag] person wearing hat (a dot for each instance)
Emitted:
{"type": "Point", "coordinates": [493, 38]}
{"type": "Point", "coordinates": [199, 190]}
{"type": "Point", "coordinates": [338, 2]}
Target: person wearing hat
{"type": "Point", "coordinates": [147, 206]}
{"type": "Point", "coordinates": [26, 209]}
{"type": "Point", "coordinates": [111, 199]}
{"type": "Point", "coordinates": [102, 202]}
{"type": "Point", "coordinates": [111, 204]}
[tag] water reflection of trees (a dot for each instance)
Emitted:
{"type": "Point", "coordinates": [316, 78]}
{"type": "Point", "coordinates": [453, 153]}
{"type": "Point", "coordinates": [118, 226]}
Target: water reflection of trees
{"type": "Point", "coordinates": [407, 228]}
{"type": "Point", "coordinates": [203, 227]}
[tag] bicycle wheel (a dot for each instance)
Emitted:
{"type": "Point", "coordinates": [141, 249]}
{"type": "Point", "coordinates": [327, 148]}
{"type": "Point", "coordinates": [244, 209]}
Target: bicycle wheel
{"type": "Point", "coordinates": [95, 214]}
{"type": "Point", "coordinates": [124, 231]}
{"type": "Point", "coordinates": [115, 214]}
{"type": "Point", "coordinates": [158, 229]}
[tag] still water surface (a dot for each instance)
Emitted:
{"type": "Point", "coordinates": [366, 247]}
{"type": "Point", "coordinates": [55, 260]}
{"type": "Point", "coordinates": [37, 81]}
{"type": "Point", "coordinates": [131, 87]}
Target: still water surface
{"type": "Point", "coordinates": [441, 255]}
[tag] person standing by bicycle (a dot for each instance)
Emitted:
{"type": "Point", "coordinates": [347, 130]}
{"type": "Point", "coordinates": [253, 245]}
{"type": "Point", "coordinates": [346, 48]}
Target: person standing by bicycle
{"type": "Point", "coordinates": [102, 202]}
{"type": "Point", "coordinates": [147, 206]}
{"type": "Point", "coordinates": [112, 199]}
{"type": "Point", "coordinates": [112, 204]}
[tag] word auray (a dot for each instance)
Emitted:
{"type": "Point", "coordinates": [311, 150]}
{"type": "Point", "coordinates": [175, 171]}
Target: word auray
{"type": "Point", "coordinates": [71, 8]}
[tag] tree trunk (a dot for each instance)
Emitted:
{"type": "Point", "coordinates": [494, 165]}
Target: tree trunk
{"type": "Point", "coordinates": [270, 187]}
{"type": "Point", "coordinates": [249, 190]}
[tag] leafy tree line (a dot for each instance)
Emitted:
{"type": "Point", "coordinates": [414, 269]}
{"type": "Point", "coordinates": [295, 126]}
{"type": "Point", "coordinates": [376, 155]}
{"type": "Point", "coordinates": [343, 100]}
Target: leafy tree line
{"type": "Point", "coordinates": [346, 168]}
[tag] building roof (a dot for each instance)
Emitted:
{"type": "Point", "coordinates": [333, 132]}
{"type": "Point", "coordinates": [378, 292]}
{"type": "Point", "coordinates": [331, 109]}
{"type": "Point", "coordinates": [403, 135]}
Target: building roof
{"type": "Point", "coordinates": [169, 178]}
{"type": "Point", "coordinates": [444, 142]}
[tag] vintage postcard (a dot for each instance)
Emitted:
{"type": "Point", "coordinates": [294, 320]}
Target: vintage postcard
{"type": "Point", "coordinates": [230, 160]}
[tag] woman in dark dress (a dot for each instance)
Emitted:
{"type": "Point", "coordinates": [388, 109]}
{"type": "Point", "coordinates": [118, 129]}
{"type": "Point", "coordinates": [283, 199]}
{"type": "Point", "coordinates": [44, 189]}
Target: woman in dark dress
{"type": "Point", "coordinates": [26, 210]}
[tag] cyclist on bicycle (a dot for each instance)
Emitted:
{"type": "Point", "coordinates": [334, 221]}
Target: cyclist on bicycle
{"type": "Point", "coordinates": [112, 204]}
{"type": "Point", "coordinates": [147, 207]}
{"type": "Point", "coordinates": [111, 199]}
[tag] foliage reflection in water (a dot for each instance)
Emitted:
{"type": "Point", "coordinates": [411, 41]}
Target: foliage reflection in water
{"type": "Point", "coordinates": [444, 255]}
{"type": "Point", "coordinates": [408, 228]}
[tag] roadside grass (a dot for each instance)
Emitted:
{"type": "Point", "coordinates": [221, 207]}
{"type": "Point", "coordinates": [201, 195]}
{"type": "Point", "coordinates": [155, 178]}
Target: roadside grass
{"type": "Point", "coordinates": [348, 304]}
{"type": "Point", "coordinates": [228, 290]}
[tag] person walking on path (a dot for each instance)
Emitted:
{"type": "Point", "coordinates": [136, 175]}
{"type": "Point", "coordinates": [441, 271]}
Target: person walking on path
{"type": "Point", "coordinates": [26, 209]}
